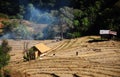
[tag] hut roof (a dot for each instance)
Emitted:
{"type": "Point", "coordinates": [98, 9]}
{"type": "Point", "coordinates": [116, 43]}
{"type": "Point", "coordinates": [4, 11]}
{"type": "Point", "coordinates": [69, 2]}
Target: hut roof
{"type": "Point", "coordinates": [42, 47]}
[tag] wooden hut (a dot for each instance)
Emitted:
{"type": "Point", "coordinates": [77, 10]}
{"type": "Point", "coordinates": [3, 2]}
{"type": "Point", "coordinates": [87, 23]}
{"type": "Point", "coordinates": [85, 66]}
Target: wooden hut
{"type": "Point", "coordinates": [39, 49]}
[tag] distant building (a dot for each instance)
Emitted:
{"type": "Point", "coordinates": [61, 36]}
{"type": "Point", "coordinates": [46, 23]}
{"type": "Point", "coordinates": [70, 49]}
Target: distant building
{"type": "Point", "coordinates": [108, 34]}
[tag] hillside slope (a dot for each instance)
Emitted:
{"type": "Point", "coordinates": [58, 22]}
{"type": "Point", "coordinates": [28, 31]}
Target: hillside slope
{"type": "Point", "coordinates": [73, 58]}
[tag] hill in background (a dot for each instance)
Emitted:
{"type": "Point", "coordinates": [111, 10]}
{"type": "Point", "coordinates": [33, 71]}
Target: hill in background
{"type": "Point", "coordinates": [68, 19]}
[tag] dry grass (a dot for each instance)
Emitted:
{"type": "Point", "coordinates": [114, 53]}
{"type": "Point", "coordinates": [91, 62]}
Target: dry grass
{"type": "Point", "coordinates": [96, 59]}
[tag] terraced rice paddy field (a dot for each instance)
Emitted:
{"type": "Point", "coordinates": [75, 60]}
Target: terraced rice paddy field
{"type": "Point", "coordinates": [68, 58]}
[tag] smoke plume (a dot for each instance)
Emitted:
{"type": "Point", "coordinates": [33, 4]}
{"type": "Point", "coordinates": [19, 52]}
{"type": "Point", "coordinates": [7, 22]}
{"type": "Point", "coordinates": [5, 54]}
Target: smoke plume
{"type": "Point", "coordinates": [40, 21]}
{"type": "Point", "coordinates": [38, 16]}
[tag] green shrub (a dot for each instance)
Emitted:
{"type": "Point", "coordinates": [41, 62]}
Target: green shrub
{"type": "Point", "coordinates": [26, 58]}
{"type": "Point", "coordinates": [4, 56]}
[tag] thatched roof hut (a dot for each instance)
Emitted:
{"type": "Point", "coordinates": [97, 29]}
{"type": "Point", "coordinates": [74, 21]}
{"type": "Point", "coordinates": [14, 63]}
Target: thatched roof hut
{"type": "Point", "coordinates": [39, 49]}
{"type": "Point", "coordinates": [42, 47]}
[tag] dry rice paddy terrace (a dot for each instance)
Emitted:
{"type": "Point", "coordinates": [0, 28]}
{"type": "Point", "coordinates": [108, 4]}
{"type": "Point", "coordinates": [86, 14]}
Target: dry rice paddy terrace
{"type": "Point", "coordinates": [71, 58]}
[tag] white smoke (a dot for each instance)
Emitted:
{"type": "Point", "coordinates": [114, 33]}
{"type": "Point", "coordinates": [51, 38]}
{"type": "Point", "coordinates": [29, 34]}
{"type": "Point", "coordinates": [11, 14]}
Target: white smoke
{"type": "Point", "coordinates": [36, 15]}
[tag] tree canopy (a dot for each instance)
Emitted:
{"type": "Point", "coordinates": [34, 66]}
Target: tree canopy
{"type": "Point", "coordinates": [70, 18]}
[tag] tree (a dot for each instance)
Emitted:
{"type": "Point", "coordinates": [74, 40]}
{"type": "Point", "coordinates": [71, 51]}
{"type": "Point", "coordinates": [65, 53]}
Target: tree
{"type": "Point", "coordinates": [63, 20]}
{"type": "Point", "coordinates": [5, 47]}
{"type": "Point", "coordinates": [38, 36]}
{"type": "Point", "coordinates": [4, 56]}
{"type": "Point", "coordinates": [75, 32]}
{"type": "Point", "coordinates": [9, 26]}
{"type": "Point", "coordinates": [22, 32]}
{"type": "Point", "coordinates": [21, 13]}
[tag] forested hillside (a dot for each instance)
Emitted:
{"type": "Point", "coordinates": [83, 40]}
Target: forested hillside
{"type": "Point", "coordinates": [66, 18]}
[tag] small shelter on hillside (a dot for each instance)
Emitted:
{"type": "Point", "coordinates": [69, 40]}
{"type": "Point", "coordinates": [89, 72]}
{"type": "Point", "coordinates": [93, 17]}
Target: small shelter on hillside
{"type": "Point", "coordinates": [108, 34]}
{"type": "Point", "coordinates": [38, 50]}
